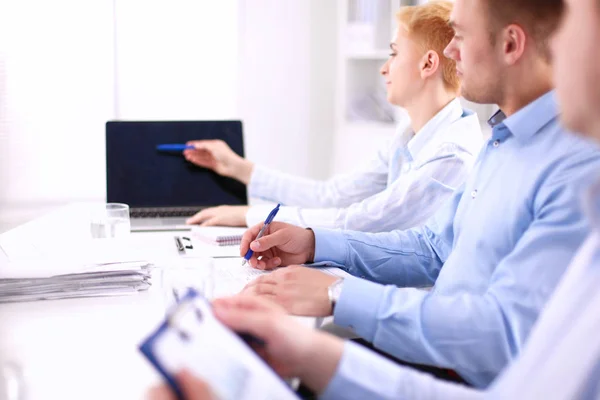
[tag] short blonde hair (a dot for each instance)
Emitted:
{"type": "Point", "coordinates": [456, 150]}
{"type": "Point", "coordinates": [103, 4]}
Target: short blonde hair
{"type": "Point", "coordinates": [428, 25]}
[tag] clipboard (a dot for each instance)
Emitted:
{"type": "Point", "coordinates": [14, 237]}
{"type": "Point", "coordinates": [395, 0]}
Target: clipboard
{"type": "Point", "coordinates": [192, 338]}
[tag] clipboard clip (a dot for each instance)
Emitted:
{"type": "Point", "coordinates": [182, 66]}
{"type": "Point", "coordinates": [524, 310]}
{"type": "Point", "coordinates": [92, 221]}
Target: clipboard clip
{"type": "Point", "coordinates": [187, 304]}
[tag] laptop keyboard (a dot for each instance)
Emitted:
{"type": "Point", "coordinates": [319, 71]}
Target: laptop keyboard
{"type": "Point", "coordinates": [163, 212]}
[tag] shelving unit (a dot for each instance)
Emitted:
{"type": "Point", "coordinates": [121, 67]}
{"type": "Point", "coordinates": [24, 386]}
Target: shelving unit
{"type": "Point", "coordinates": [364, 119]}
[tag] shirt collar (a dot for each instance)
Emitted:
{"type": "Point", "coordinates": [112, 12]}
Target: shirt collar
{"type": "Point", "coordinates": [530, 119]}
{"type": "Point", "coordinates": [449, 114]}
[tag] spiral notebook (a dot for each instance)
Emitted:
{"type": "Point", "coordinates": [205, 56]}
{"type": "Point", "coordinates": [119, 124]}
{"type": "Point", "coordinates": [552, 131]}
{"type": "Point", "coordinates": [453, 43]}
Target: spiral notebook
{"type": "Point", "coordinates": [219, 236]}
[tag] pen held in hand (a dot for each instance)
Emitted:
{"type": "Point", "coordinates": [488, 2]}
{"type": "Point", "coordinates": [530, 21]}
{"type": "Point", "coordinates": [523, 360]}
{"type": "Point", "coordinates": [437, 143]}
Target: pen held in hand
{"type": "Point", "coordinates": [174, 147]}
{"type": "Point", "coordinates": [262, 231]}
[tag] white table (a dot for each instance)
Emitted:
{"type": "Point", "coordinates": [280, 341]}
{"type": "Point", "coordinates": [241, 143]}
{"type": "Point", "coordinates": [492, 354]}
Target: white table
{"type": "Point", "coordinates": [85, 348]}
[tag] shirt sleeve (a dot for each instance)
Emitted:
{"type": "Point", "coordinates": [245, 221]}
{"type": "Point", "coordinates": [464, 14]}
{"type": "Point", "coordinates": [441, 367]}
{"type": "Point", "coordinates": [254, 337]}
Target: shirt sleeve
{"type": "Point", "coordinates": [363, 374]}
{"type": "Point", "coordinates": [409, 201]}
{"type": "Point", "coordinates": [474, 333]}
{"type": "Point", "coordinates": [405, 258]}
{"type": "Point", "coordinates": [339, 191]}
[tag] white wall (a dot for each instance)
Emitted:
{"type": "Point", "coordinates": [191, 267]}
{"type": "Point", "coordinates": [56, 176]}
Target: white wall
{"type": "Point", "coordinates": [287, 66]}
{"type": "Point", "coordinates": [176, 59]}
{"type": "Point", "coordinates": [55, 94]}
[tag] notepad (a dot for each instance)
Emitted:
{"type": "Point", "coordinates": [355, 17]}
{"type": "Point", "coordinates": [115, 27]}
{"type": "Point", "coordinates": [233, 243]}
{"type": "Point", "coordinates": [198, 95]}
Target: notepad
{"type": "Point", "coordinates": [219, 236]}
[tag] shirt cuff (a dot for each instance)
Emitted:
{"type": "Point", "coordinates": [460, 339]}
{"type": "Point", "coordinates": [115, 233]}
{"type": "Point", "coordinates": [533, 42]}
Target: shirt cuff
{"type": "Point", "coordinates": [359, 376]}
{"type": "Point", "coordinates": [358, 305]}
{"type": "Point", "coordinates": [259, 182]}
{"type": "Point", "coordinates": [257, 214]}
{"type": "Point", "coordinates": [330, 245]}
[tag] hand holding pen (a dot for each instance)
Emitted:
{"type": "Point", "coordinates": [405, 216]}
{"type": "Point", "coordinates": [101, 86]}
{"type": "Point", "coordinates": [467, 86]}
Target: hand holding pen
{"type": "Point", "coordinates": [270, 217]}
{"type": "Point", "coordinates": [277, 244]}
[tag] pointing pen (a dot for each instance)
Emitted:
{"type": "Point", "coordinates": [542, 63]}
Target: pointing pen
{"type": "Point", "coordinates": [268, 221]}
{"type": "Point", "coordinates": [174, 147]}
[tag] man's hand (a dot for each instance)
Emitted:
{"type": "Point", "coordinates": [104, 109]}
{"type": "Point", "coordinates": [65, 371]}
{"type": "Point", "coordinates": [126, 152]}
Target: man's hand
{"type": "Point", "coordinates": [282, 245]}
{"type": "Point", "coordinates": [218, 156]}
{"type": "Point", "coordinates": [291, 349]}
{"type": "Point", "coordinates": [220, 216]}
{"type": "Point", "coordinates": [192, 388]}
{"type": "Point", "coordinates": [299, 290]}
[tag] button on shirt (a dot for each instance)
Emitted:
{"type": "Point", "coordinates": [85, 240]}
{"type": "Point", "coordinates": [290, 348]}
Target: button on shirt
{"type": "Point", "coordinates": [561, 360]}
{"type": "Point", "coordinates": [407, 181]}
{"type": "Point", "coordinates": [493, 258]}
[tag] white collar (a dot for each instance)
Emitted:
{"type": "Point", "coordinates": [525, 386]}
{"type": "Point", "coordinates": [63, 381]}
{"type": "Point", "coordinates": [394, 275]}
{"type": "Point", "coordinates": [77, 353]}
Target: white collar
{"type": "Point", "coordinates": [452, 112]}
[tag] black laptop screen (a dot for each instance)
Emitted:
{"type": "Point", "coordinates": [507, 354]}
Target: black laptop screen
{"type": "Point", "coordinates": [141, 176]}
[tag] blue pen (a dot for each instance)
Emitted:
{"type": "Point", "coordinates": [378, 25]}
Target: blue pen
{"type": "Point", "coordinates": [174, 147]}
{"type": "Point", "coordinates": [268, 221]}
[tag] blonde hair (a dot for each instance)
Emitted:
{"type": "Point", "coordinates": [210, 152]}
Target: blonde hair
{"type": "Point", "coordinates": [428, 25]}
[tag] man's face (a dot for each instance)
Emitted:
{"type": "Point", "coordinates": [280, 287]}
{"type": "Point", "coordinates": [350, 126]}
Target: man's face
{"type": "Point", "coordinates": [577, 66]}
{"type": "Point", "coordinates": [477, 62]}
{"type": "Point", "coordinates": [402, 71]}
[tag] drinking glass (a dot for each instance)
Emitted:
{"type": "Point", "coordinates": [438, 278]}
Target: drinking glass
{"type": "Point", "coordinates": [110, 221]}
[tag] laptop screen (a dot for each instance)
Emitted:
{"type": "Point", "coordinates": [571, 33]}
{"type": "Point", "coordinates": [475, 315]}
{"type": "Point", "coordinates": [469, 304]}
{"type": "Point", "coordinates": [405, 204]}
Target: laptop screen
{"type": "Point", "coordinates": [141, 176]}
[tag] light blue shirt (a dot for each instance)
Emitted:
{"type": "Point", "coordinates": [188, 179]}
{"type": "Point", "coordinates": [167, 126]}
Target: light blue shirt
{"type": "Point", "coordinates": [561, 360]}
{"type": "Point", "coordinates": [401, 187]}
{"type": "Point", "coordinates": [494, 253]}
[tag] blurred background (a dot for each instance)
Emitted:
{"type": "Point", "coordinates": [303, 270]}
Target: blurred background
{"type": "Point", "coordinates": [302, 75]}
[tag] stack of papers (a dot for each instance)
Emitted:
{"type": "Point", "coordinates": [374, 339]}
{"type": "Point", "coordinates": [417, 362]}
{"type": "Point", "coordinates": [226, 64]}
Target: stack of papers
{"type": "Point", "coordinates": [51, 269]}
{"type": "Point", "coordinates": [28, 282]}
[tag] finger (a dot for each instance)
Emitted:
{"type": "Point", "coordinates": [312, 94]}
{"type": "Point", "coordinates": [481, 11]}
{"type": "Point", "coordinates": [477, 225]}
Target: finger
{"type": "Point", "coordinates": [161, 393]}
{"type": "Point", "coordinates": [192, 387]}
{"type": "Point", "coordinates": [208, 146]}
{"type": "Point", "coordinates": [256, 263]}
{"type": "Point", "coordinates": [198, 144]}
{"type": "Point", "coordinates": [272, 263]}
{"type": "Point", "coordinates": [201, 159]}
{"type": "Point", "coordinates": [268, 288]}
{"type": "Point", "coordinates": [248, 237]}
{"type": "Point", "coordinates": [256, 281]}
{"type": "Point", "coordinates": [270, 240]}
{"type": "Point", "coordinates": [273, 278]}
{"type": "Point", "coordinates": [256, 322]}
{"type": "Point", "coordinates": [245, 303]}
{"type": "Point", "coordinates": [211, 222]}
{"type": "Point", "coordinates": [199, 217]}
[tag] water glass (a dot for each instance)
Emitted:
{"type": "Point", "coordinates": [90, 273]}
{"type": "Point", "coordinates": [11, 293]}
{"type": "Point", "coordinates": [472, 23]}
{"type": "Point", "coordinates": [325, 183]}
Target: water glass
{"type": "Point", "coordinates": [110, 221]}
{"type": "Point", "coordinates": [12, 384]}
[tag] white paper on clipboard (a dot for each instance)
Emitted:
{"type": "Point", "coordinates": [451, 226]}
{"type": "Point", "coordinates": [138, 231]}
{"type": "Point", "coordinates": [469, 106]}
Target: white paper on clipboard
{"type": "Point", "coordinates": [198, 342]}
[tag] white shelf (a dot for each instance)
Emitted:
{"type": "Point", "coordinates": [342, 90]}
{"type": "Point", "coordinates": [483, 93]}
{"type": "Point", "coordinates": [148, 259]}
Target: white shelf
{"type": "Point", "coordinates": [368, 55]}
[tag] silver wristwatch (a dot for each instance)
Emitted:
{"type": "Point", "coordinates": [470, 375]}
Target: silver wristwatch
{"type": "Point", "coordinates": [334, 291]}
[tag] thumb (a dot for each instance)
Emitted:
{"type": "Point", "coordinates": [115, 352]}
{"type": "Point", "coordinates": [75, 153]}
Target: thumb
{"type": "Point", "coordinates": [192, 387]}
{"type": "Point", "coordinates": [275, 239]}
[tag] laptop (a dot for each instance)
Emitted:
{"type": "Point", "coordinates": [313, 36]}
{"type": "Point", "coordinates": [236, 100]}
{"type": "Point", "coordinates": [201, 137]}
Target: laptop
{"type": "Point", "coordinates": [161, 188]}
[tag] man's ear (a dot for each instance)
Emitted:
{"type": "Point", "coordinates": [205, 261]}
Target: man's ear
{"type": "Point", "coordinates": [514, 40]}
{"type": "Point", "coordinates": [430, 63]}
